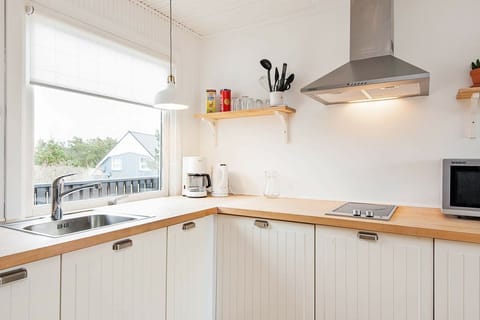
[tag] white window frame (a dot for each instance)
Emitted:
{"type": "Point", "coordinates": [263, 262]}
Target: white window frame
{"type": "Point", "coordinates": [116, 164]}
{"type": "Point", "coordinates": [19, 149]}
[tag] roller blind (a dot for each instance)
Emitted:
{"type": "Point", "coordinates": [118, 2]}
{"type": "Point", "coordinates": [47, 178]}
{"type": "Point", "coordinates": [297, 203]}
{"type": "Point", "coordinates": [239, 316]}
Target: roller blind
{"type": "Point", "coordinates": [68, 57]}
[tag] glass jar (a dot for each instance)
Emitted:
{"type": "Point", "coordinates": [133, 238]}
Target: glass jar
{"type": "Point", "coordinates": [271, 185]}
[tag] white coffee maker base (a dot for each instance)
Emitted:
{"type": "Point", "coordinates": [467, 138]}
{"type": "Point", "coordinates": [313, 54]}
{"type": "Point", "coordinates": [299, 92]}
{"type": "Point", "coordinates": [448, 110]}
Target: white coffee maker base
{"type": "Point", "coordinates": [195, 195]}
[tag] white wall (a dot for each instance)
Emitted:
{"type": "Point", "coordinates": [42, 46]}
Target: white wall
{"type": "Point", "coordinates": [386, 151]}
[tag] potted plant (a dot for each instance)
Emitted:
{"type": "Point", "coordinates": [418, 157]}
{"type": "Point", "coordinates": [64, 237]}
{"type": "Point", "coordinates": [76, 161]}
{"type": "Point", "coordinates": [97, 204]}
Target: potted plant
{"type": "Point", "coordinates": [475, 73]}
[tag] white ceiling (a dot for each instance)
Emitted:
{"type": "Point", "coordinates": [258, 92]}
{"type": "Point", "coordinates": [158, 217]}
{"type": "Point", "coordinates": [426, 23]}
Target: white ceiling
{"type": "Point", "coordinates": [209, 17]}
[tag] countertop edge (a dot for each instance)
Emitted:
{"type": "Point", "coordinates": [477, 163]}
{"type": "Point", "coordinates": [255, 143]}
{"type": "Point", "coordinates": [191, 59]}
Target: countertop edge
{"type": "Point", "coordinates": [366, 225]}
{"type": "Point", "coordinates": [48, 251]}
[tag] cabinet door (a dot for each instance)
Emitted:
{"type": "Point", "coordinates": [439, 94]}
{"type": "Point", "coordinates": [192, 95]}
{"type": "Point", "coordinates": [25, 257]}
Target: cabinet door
{"type": "Point", "coordinates": [35, 295]}
{"type": "Point", "coordinates": [191, 270]}
{"type": "Point", "coordinates": [121, 280]}
{"type": "Point", "coordinates": [457, 280]}
{"type": "Point", "coordinates": [381, 277]}
{"type": "Point", "coordinates": [265, 269]}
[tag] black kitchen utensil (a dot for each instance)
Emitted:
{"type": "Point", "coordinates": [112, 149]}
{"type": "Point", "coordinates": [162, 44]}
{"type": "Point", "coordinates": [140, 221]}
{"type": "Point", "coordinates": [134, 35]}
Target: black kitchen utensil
{"type": "Point", "coordinates": [277, 76]}
{"type": "Point", "coordinates": [288, 82]}
{"type": "Point", "coordinates": [281, 84]}
{"type": "Point", "coordinates": [267, 65]}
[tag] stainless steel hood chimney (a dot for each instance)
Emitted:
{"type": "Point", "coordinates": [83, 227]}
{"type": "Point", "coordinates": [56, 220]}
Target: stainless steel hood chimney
{"type": "Point", "coordinates": [373, 73]}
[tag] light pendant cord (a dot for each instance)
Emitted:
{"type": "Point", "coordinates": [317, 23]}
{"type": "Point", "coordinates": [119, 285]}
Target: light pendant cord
{"type": "Point", "coordinates": [171, 69]}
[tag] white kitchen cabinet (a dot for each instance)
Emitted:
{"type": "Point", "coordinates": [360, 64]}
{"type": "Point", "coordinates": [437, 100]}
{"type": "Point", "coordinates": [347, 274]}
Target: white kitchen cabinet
{"type": "Point", "coordinates": [191, 270]}
{"type": "Point", "coordinates": [457, 280]}
{"type": "Point", "coordinates": [33, 293]}
{"type": "Point", "coordinates": [265, 269]}
{"type": "Point", "coordinates": [119, 280]}
{"type": "Point", "coordinates": [379, 277]}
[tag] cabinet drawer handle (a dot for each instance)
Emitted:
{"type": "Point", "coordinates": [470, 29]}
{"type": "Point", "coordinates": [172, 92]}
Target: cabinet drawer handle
{"type": "Point", "coordinates": [188, 226]}
{"type": "Point", "coordinates": [261, 224]}
{"type": "Point", "coordinates": [122, 244]}
{"type": "Point", "coordinates": [368, 236]}
{"type": "Point", "coordinates": [12, 276]}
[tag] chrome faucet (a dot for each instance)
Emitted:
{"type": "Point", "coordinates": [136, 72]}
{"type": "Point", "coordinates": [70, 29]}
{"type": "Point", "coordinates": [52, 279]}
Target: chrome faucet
{"type": "Point", "coordinates": [58, 194]}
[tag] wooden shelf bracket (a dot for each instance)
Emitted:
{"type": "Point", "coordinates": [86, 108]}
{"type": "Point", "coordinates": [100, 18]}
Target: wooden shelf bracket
{"type": "Point", "coordinates": [213, 125]}
{"type": "Point", "coordinates": [284, 119]}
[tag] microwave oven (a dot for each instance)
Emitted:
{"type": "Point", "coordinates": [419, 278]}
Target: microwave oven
{"type": "Point", "coordinates": [461, 187]}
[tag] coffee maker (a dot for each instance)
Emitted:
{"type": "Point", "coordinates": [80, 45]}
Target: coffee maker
{"type": "Point", "coordinates": [195, 179]}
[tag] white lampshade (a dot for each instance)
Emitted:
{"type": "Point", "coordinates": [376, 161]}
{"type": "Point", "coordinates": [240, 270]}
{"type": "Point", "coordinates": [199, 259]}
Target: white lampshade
{"type": "Point", "coordinates": [168, 99]}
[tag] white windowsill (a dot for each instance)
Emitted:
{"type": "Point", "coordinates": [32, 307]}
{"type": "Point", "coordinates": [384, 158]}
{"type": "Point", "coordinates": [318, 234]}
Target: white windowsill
{"type": "Point", "coordinates": [69, 206]}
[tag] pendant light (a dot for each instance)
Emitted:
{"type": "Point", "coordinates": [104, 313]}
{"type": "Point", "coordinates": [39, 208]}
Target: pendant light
{"type": "Point", "coordinates": [168, 99]}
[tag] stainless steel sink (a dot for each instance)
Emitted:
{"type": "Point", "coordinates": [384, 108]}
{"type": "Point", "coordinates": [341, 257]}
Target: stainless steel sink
{"type": "Point", "coordinates": [71, 224]}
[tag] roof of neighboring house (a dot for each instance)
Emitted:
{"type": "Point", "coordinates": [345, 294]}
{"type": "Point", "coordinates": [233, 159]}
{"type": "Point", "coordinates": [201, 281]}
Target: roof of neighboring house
{"type": "Point", "coordinates": [136, 142]}
{"type": "Point", "coordinates": [148, 141]}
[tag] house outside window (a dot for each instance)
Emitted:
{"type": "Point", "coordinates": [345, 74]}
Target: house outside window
{"type": "Point", "coordinates": [134, 155]}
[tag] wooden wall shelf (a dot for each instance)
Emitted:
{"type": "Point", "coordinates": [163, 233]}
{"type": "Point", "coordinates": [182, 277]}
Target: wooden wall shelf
{"type": "Point", "coordinates": [283, 112]}
{"type": "Point", "coordinates": [245, 113]}
{"type": "Point", "coordinates": [466, 93]}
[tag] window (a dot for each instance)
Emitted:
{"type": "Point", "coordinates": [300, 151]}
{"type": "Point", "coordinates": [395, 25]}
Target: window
{"type": "Point", "coordinates": [92, 114]}
{"type": "Point", "coordinates": [143, 164]}
{"type": "Point", "coordinates": [116, 164]}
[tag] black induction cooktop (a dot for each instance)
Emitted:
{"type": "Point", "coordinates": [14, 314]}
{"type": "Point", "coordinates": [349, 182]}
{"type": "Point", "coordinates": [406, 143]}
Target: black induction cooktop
{"type": "Point", "coordinates": [364, 211]}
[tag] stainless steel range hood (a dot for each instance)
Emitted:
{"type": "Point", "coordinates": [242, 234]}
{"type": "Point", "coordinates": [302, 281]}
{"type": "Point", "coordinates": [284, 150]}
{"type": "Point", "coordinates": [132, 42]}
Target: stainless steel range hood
{"type": "Point", "coordinates": [373, 73]}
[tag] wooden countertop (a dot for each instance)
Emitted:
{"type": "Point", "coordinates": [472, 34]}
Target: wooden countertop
{"type": "Point", "coordinates": [18, 248]}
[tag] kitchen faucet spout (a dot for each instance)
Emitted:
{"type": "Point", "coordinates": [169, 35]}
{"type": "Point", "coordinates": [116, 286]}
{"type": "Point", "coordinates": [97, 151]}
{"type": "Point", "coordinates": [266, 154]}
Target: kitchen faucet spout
{"type": "Point", "coordinates": [95, 185]}
{"type": "Point", "coordinates": [58, 193]}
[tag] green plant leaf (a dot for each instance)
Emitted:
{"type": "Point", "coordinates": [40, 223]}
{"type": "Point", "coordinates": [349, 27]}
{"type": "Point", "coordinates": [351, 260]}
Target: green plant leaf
{"type": "Point", "coordinates": [478, 63]}
{"type": "Point", "coordinates": [474, 66]}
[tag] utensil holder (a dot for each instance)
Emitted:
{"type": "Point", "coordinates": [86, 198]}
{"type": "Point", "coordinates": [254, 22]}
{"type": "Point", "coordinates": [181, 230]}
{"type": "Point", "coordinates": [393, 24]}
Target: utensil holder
{"type": "Point", "coordinates": [276, 98]}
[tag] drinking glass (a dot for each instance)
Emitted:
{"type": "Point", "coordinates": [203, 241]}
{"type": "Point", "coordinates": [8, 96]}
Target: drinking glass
{"type": "Point", "coordinates": [251, 103]}
{"type": "Point", "coordinates": [244, 102]}
{"type": "Point", "coordinates": [259, 104]}
{"type": "Point", "coordinates": [236, 104]}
